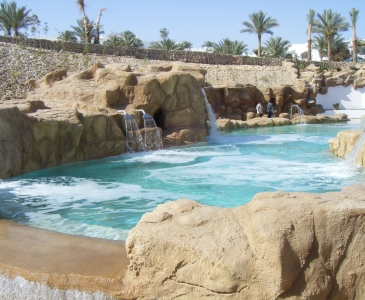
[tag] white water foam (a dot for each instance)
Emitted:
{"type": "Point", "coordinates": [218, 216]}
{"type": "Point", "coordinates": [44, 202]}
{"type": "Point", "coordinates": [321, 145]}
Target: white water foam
{"type": "Point", "coordinates": [18, 288]}
{"type": "Point", "coordinates": [42, 203]}
{"type": "Point", "coordinates": [264, 171]}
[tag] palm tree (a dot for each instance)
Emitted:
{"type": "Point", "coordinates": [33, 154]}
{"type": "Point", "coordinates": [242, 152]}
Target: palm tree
{"type": "Point", "coordinates": [339, 48]}
{"type": "Point", "coordinates": [259, 25]}
{"type": "Point", "coordinates": [208, 45]}
{"type": "Point", "coordinates": [80, 33]}
{"type": "Point", "coordinates": [227, 46]}
{"type": "Point", "coordinates": [329, 24]}
{"type": "Point", "coordinates": [310, 18]}
{"type": "Point", "coordinates": [86, 24]}
{"type": "Point", "coordinates": [97, 27]}
{"type": "Point", "coordinates": [320, 44]}
{"type": "Point", "coordinates": [165, 43]}
{"type": "Point", "coordinates": [113, 40]}
{"type": "Point", "coordinates": [238, 48]}
{"type": "Point", "coordinates": [354, 16]}
{"type": "Point", "coordinates": [67, 36]}
{"type": "Point", "coordinates": [129, 39]}
{"type": "Point", "coordinates": [185, 45]}
{"type": "Point", "coordinates": [223, 46]}
{"type": "Point", "coordinates": [13, 19]}
{"type": "Point", "coordinates": [276, 47]}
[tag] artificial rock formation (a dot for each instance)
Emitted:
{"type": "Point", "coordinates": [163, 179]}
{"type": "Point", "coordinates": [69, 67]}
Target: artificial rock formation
{"type": "Point", "coordinates": [170, 93]}
{"type": "Point", "coordinates": [344, 143]}
{"type": "Point", "coordinates": [278, 246]}
{"type": "Point", "coordinates": [76, 118]}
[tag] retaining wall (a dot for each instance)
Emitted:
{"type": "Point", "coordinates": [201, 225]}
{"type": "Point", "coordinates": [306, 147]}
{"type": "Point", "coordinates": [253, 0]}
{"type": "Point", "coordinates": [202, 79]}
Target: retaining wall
{"type": "Point", "coordinates": [155, 54]}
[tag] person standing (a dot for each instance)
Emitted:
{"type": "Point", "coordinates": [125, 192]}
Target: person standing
{"type": "Point", "coordinates": [270, 108]}
{"type": "Point", "coordinates": [259, 109]}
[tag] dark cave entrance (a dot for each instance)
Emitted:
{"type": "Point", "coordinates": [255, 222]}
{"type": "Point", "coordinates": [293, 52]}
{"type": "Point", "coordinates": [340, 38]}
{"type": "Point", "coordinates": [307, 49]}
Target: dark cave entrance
{"type": "Point", "coordinates": [159, 118]}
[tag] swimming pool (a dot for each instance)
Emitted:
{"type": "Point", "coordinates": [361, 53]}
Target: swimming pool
{"type": "Point", "coordinates": [107, 197]}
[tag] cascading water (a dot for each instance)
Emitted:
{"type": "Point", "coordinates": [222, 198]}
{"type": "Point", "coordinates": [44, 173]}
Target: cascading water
{"type": "Point", "coordinates": [152, 137]}
{"type": "Point", "coordinates": [300, 113]}
{"type": "Point", "coordinates": [214, 129]}
{"type": "Point", "coordinates": [362, 124]}
{"type": "Point", "coordinates": [133, 135]}
{"type": "Point", "coordinates": [351, 158]}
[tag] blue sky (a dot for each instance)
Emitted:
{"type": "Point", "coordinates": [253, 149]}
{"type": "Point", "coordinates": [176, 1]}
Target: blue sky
{"type": "Point", "coordinates": [193, 20]}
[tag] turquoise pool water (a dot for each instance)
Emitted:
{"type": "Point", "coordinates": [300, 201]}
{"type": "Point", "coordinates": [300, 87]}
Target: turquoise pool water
{"type": "Point", "coordinates": [107, 197]}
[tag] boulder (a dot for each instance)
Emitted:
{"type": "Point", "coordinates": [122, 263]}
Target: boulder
{"type": "Point", "coordinates": [278, 246]}
{"type": "Point", "coordinates": [344, 143]}
{"type": "Point", "coordinates": [52, 137]}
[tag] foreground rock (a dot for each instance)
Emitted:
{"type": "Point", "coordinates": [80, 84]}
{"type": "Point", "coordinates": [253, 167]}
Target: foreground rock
{"type": "Point", "coordinates": [279, 246]}
{"type": "Point", "coordinates": [344, 143]}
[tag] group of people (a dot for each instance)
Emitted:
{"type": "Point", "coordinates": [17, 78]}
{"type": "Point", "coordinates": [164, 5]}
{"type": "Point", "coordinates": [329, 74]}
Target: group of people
{"type": "Point", "coordinates": [269, 108]}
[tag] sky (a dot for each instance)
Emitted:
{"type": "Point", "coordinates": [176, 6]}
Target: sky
{"type": "Point", "coordinates": [195, 21]}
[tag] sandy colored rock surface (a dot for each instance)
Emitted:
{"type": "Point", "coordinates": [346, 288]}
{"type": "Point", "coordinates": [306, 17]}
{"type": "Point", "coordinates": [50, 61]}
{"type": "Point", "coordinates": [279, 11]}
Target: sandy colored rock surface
{"type": "Point", "coordinates": [61, 260]}
{"type": "Point", "coordinates": [279, 246]}
{"type": "Point", "coordinates": [344, 143]}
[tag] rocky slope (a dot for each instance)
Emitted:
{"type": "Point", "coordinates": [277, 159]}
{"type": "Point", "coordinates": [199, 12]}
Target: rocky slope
{"type": "Point", "coordinates": [20, 64]}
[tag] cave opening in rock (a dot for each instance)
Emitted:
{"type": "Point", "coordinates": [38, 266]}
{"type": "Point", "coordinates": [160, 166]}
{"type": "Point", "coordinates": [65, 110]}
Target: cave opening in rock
{"type": "Point", "coordinates": [159, 118]}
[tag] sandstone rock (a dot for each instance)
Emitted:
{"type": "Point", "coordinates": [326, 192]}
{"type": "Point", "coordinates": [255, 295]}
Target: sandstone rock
{"type": "Point", "coordinates": [47, 138]}
{"type": "Point", "coordinates": [250, 115]}
{"type": "Point", "coordinates": [279, 246]}
{"type": "Point", "coordinates": [344, 143]}
{"type": "Point", "coordinates": [312, 68]}
{"type": "Point", "coordinates": [226, 124]}
{"type": "Point", "coordinates": [260, 122]}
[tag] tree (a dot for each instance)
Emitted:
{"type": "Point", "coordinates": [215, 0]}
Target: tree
{"type": "Point", "coordinates": [33, 30]}
{"type": "Point", "coordinates": [227, 46]}
{"type": "Point", "coordinates": [14, 19]}
{"type": "Point", "coordinates": [45, 28]}
{"type": "Point", "coordinates": [310, 18]}
{"type": "Point", "coordinates": [129, 39]}
{"type": "Point", "coordinates": [113, 40]}
{"type": "Point", "coordinates": [67, 36]}
{"type": "Point", "coordinates": [238, 48]}
{"type": "Point", "coordinates": [276, 47]}
{"type": "Point", "coordinates": [97, 27]}
{"type": "Point", "coordinates": [165, 43]}
{"type": "Point", "coordinates": [185, 45]}
{"type": "Point", "coordinates": [320, 44]}
{"type": "Point", "coordinates": [79, 31]}
{"type": "Point", "coordinates": [259, 25]}
{"type": "Point", "coordinates": [340, 50]}
{"type": "Point", "coordinates": [208, 45]}
{"type": "Point", "coordinates": [354, 16]}
{"type": "Point", "coordinates": [222, 47]}
{"type": "Point", "coordinates": [329, 24]}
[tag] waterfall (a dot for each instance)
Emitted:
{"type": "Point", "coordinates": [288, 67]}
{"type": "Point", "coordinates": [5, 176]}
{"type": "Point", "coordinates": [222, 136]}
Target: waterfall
{"type": "Point", "coordinates": [352, 157]}
{"type": "Point", "coordinates": [214, 129]}
{"type": "Point", "coordinates": [300, 113]}
{"type": "Point", "coordinates": [362, 124]}
{"type": "Point", "coordinates": [152, 137]}
{"type": "Point", "coordinates": [133, 135]}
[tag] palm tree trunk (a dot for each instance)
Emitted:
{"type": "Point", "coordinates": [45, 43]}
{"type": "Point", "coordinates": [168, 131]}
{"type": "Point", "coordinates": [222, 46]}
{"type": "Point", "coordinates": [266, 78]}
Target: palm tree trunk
{"type": "Point", "coordinates": [309, 50]}
{"type": "Point", "coordinates": [259, 47]}
{"type": "Point", "coordinates": [354, 44]}
{"type": "Point", "coordinates": [329, 48]}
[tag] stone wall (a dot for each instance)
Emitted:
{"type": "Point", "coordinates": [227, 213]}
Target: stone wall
{"type": "Point", "coordinates": [155, 54]}
{"type": "Point", "coordinates": [142, 53]}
